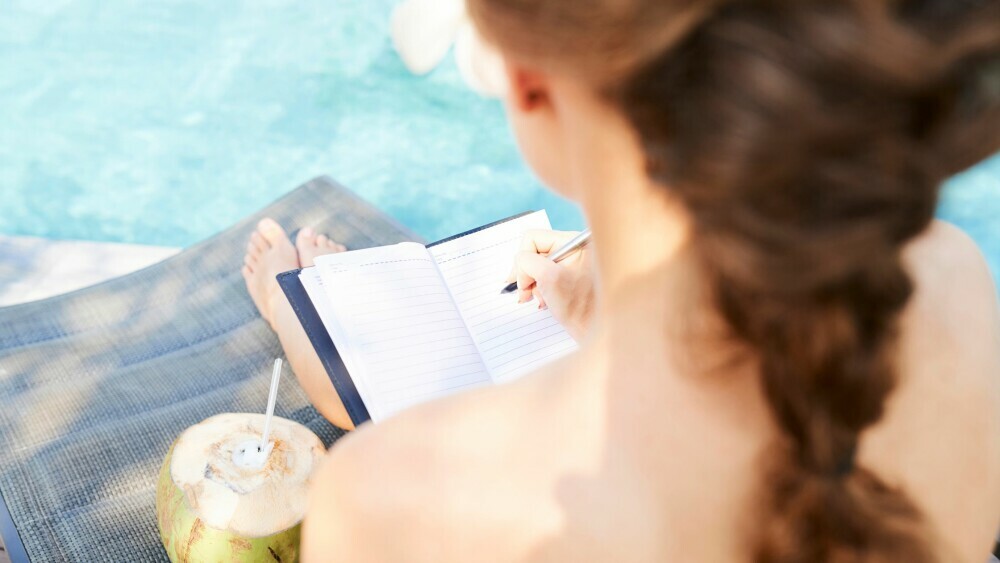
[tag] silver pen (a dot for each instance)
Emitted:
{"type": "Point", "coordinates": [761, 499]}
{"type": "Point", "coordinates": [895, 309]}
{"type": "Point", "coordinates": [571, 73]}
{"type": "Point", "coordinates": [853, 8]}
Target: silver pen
{"type": "Point", "coordinates": [574, 244]}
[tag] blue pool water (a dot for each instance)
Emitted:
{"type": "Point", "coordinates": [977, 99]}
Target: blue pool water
{"type": "Point", "coordinates": [164, 121]}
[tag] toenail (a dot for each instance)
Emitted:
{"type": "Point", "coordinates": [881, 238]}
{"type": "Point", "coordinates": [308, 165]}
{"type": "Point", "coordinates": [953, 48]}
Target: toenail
{"type": "Point", "coordinates": [306, 232]}
{"type": "Point", "coordinates": [268, 224]}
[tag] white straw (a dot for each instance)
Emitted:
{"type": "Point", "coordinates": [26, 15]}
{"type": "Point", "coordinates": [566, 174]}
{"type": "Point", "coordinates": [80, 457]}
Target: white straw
{"type": "Point", "coordinates": [271, 398]}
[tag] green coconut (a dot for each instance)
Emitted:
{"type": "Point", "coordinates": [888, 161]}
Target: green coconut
{"type": "Point", "coordinates": [221, 498]}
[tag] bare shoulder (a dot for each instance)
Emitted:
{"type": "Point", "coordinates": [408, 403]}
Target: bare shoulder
{"type": "Point", "coordinates": [940, 437]}
{"type": "Point", "coordinates": [950, 270]}
{"type": "Point", "coordinates": [951, 329]}
{"type": "Point", "coordinates": [441, 470]}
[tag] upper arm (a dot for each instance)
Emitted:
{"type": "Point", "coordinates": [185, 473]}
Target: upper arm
{"type": "Point", "coordinates": [370, 500]}
{"type": "Point", "coordinates": [416, 487]}
{"type": "Point", "coordinates": [361, 497]}
{"type": "Point", "coordinates": [955, 301]}
{"type": "Point", "coordinates": [949, 393]}
{"type": "Point", "coordinates": [332, 528]}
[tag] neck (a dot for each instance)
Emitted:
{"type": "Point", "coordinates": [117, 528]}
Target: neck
{"type": "Point", "coordinates": [639, 230]}
{"type": "Point", "coordinates": [652, 291]}
{"type": "Point", "coordinates": [654, 312]}
{"type": "Point", "coordinates": [647, 276]}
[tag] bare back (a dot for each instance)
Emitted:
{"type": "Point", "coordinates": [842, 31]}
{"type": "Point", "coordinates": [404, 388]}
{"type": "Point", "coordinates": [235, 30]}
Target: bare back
{"type": "Point", "coordinates": [612, 455]}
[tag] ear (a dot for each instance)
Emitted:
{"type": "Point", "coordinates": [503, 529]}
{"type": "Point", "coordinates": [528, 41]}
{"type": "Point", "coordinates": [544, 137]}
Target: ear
{"type": "Point", "coordinates": [527, 90]}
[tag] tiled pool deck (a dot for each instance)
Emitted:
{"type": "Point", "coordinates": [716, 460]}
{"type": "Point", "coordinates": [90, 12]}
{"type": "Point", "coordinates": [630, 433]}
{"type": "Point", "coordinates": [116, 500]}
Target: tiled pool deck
{"type": "Point", "coordinates": [35, 268]}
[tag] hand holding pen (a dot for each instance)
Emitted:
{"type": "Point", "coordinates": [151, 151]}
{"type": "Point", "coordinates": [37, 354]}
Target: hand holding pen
{"type": "Point", "coordinates": [554, 269]}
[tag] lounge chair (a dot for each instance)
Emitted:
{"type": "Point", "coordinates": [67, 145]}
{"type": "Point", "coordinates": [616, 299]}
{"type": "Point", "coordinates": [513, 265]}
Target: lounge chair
{"type": "Point", "coordinates": [96, 384]}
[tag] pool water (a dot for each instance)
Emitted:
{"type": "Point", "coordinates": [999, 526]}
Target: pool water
{"type": "Point", "coordinates": [163, 121]}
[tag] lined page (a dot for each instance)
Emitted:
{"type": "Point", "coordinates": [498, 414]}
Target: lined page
{"type": "Point", "coordinates": [406, 337]}
{"type": "Point", "coordinates": [312, 282]}
{"type": "Point", "coordinates": [513, 339]}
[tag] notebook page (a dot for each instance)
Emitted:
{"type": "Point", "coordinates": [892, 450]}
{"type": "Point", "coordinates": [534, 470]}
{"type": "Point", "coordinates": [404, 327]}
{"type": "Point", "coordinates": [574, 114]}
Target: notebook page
{"type": "Point", "coordinates": [404, 333]}
{"type": "Point", "coordinates": [312, 282]}
{"type": "Point", "coordinates": [513, 339]}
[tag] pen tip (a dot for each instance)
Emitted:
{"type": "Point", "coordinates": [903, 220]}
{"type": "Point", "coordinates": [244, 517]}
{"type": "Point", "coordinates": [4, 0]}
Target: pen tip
{"type": "Point", "coordinates": [509, 289]}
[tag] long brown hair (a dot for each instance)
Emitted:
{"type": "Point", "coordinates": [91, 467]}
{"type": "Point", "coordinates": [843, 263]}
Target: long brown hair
{"type": "Point", "coordinates": [808, 140]}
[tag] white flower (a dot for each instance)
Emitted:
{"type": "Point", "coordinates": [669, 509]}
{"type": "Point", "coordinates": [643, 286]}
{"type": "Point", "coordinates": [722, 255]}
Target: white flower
{"type": "Point", "coordinates": [423, 31]}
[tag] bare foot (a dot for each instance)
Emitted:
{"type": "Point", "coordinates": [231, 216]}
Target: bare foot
{"type": "Point", "coordinates": [269, 253]}
{"type": "Point", "coordinates": [310, 245]}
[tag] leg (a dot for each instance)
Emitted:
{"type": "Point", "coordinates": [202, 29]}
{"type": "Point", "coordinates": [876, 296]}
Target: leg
{"type": "Point", "coordinates": [269, 253]}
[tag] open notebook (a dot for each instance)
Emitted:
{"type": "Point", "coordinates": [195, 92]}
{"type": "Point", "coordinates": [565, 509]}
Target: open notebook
{"type": "Point", "coordinates": [403, 324]}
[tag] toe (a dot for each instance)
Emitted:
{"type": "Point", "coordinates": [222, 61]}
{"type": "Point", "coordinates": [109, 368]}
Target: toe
{"type": "Point", "coordinates": [304, 242]}
{"type": "Point", "coordinates": [305, 238]}
{"type": "Point", "coordinates": [310, 245]}
{"type": "Point", "coordinates": [258, 242]}
{"type": "Point", "coordinates": [272, 232]}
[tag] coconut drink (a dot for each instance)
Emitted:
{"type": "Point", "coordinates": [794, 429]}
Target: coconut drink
{"type": "Point", "coordinates": [233, 488]}
{"type": "Point", "coordinates": [224, 494]}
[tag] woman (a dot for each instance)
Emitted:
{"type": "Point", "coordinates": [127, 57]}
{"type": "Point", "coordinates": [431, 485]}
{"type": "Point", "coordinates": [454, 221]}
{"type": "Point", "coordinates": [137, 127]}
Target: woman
{"type": "Point", "coordinates": [787, 359]}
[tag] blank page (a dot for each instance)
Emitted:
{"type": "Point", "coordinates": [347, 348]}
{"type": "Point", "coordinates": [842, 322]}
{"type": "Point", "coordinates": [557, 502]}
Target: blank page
{"type": "Point", "coordinates": [513, 339]}
{"type": "Point", "coordinates": [404, 335]}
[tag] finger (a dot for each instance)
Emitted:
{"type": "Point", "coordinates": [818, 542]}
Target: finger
{"type": "Point", "coordinates": [524, 295]}
{"type": "Point", "coordinates": [534, 268]}
{"type": "Point", "coordinates": [542, 241]}
{"type": "Point", "coordinates": [525, 282]}
{"type": "Point", "coordinates": [541, 300]}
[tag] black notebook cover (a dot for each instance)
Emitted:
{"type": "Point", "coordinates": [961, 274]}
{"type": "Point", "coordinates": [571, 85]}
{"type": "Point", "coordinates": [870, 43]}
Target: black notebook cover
{"type": "Point", "coordinates": [321, 341]}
